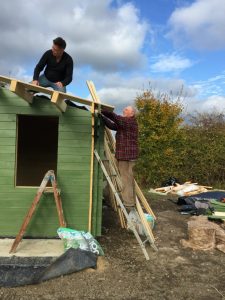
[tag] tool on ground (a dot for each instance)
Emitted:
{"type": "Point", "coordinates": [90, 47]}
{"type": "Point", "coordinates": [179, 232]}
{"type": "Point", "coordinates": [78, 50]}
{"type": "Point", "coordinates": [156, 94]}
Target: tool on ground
{"type": "Point", "coordinates": [49, 176]}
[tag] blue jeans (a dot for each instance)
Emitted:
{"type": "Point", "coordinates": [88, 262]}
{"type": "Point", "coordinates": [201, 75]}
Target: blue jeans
{"type": "Point", "coordinates": [43, 81]}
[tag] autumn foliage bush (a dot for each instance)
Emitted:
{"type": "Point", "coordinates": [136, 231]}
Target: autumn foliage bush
{"type": "Point", "coordinates": [172, 144]}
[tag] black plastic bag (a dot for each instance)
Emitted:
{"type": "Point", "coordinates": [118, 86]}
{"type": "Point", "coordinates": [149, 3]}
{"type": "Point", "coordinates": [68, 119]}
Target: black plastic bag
{"type": "Point", "coordinates": [18, 271]}
{"type": "Point", "coordinates": [170, 182]}
{"type": "Point", "coordinates": [73, 260]}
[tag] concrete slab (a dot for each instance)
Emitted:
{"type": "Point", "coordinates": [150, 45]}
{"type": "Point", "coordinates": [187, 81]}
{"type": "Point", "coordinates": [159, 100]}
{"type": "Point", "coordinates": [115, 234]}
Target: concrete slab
{"type": "Point", "coordinates": [32, 248]}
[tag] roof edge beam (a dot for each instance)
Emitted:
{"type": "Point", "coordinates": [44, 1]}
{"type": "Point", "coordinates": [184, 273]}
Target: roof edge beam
{"type": "Point", "coordinates": [19, 89]}
{"type": "Point", "coordinates": [58, 100]}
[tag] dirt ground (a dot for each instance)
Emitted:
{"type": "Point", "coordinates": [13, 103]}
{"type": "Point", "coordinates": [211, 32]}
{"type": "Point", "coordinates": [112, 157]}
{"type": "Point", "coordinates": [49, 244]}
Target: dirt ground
{"type": "Point", "coordinates": [171, 273]}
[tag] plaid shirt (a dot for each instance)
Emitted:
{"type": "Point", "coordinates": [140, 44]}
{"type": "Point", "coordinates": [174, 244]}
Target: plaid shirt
{"type": "Point", "coordinates": [126, 135]}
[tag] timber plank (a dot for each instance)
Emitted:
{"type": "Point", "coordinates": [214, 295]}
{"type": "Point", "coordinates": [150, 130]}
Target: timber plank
{"type": "Point", "coordinates": [70, 135]}
{"type": "Point", "coordinates": [7, 142]}
{"type": "Point", "coordinates": [85, 120]}
{"type": "Point", "coordinates": [6, 172]}
{"type": "Point", "coordinates": [76, 112]}
{"type": "Point", "coordinates": [7, 149]}
{"type": "Point", "coordinates": [71, 158]}
{"type": "Point", "coordinates": [12, 101]}
{"type": "Point", "coordinates": [73, 167]}
{"type": "Point", "coordinates": [8, 133]}
{"type": "Point", "coordinates": [8, 118]}
{"type": "Point", "coordinates": [73, 150]}
{"type": "Point", "coordinates": [32, 110]}
{"type": "Point", "coordinates": [73, 143]}
{"type": "Point", "coordinates": [7, 164]}
{"type": "Point", "coordinates": [6, 181]}
{"type": "Point", "coordinates": [7, 157]}
{"type": "Point", "coordinates": [67, 174]}
{"type": "Point", "coordinates": [75, 128]}
{"type": "Point", "coordinates": [7, 125]}
{"type": "Point", "coordinates": [9, 206]}
{"type": "Point", "coordinates": [72, 181]}
{"type": "Point", "coordinates": [25, 198]}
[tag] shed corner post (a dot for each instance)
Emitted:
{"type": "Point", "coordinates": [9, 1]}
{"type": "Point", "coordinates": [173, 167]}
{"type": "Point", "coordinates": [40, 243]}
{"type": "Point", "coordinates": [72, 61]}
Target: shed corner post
{"type": "Point", "coordinates": [92, 165]}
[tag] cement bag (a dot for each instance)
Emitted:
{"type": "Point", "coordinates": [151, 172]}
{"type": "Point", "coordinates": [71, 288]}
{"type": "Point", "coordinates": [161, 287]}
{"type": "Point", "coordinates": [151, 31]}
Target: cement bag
{"type": "Point", "coordinates": [79, 239]}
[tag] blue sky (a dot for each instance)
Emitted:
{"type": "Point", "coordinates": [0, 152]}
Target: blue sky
{"type": "Point", "coordinates": [123, 46]}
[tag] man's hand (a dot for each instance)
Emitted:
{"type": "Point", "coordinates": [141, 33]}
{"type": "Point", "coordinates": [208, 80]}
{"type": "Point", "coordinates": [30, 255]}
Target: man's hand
{"type": "Point", "coordinates": [35, 82]}
{"type": "Point", "coordinates": [59, 84]}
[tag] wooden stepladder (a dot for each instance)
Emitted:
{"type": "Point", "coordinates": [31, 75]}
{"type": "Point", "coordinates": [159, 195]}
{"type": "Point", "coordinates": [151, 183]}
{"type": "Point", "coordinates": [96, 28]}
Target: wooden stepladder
{"type": "Point", "coordinates": [49, 176]}
{"type": "Point", "coordinates": [130, 224]}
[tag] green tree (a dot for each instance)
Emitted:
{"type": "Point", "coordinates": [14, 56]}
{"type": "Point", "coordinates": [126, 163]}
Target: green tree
{"type": "Point", "coordinates": [160, 138]}
{"type": "Point", "coordinates": [204, 157]}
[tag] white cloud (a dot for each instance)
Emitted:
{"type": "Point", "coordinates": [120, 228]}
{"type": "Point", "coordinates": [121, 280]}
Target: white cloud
{"type": "Point", "coordinates": [212, 86]}
{"type": "Point", "coordinates": [170, 63]}
{"type": "Point", "coordinates": [209, 95]}
{"type": "Point", "coordinates": [120, 92]}
{"type": "Point", "coordinates": [199, 25]}
{"type": "Point", "coordinates": [14, 71]}
{"type": "Point", "coordinates": [210, 104]}
{"type": "Point", "coordinates": [201, 96]}
{"type": "Point", "coordinates": [98, 34]}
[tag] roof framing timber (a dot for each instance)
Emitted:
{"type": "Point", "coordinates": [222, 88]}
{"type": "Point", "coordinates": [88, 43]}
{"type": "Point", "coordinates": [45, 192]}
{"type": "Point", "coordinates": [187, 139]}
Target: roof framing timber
{"type": "Point", "coordinates": [58, 98]}
{"type": "Point", "coordinates": [17, 88]}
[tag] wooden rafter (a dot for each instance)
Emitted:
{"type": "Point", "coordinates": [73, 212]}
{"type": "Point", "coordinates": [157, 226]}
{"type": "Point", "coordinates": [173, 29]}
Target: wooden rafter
{"type": "Point", "coordinates": [58, 100]}
{"type": "Point", "coordinates": [22, 90]}
{"type": "Point", "coordinates": [17, 88]}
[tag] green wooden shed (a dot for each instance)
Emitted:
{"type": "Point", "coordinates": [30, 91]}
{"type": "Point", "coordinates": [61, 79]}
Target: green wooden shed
{"type": "Point", "coordinates": [41, 134]}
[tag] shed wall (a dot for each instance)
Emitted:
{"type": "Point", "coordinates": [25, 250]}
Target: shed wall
{"type": "Point", "coordinates": [73, 171]}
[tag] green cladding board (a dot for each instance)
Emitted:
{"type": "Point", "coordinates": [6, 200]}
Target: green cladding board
{"type": "Point", "coordinates": [73, 170]}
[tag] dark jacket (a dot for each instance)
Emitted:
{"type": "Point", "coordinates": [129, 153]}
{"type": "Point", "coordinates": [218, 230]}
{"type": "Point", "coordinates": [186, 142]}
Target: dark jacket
{"type": "Point", "coordinates": [55, 71]}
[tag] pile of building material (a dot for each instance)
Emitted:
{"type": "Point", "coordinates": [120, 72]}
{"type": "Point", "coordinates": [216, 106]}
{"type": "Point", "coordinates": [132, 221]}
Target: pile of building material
{"type": "Point", "coordinates": [186, 189]}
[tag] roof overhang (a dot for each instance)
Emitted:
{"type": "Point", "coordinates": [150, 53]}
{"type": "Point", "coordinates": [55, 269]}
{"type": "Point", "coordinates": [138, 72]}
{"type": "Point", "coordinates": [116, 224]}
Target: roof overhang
{"type": "Point", "coordinates": [23, 90]}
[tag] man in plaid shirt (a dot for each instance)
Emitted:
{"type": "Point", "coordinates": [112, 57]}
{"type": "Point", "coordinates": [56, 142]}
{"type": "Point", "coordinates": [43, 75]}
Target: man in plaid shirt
{"type": "Point", "coordinates": [126, 149]}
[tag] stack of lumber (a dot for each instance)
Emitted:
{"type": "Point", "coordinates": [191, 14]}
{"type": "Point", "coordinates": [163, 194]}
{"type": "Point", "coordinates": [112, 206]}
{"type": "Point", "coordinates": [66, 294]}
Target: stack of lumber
{"type": "Point", "coordinates": [186, 189]}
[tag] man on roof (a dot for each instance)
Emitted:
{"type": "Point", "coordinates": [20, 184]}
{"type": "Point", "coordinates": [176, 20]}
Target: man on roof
{"type": "Point", "coordinates": [57, 66]}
